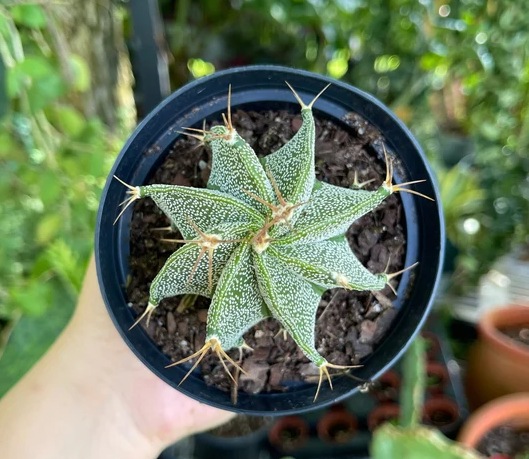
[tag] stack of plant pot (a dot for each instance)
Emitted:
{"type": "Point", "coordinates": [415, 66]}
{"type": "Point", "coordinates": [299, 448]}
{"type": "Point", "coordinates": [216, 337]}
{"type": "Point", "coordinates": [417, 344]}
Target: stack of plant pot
{"type": "Point", "coordinates": [497, 384]}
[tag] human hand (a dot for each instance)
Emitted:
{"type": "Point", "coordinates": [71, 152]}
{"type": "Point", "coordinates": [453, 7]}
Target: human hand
{"type": "Point", "coordinates": [90, 397]}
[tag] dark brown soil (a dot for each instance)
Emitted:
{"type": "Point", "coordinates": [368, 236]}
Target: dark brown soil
{"type": "Point", "coordinates": [520, 334]}
{"type": "Point", "coordinates": [505, 440]}
{"type": "Point", "coordinates": [349, 323]}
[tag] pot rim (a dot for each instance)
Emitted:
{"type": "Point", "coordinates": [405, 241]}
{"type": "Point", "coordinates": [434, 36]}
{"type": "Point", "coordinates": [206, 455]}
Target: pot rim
{"type": "Point", "coordinates": [511, 314]}
{"type": "Point", "coordinates": [493, 414]}
{"type": "Point", "coordinates": [159, 128]}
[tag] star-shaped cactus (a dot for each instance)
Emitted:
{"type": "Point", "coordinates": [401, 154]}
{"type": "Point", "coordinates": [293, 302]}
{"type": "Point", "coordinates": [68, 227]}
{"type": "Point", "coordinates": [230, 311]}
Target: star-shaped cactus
{"type": "Point", "coordinates": [264, 239]}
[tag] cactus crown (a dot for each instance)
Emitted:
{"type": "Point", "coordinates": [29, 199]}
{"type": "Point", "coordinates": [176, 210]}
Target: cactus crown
{"type": "Point", "coordinates": [264, 239]}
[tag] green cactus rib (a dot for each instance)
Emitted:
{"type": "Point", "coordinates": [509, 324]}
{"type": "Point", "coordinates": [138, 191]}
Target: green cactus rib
{"type": "Point", "coordinates": [236, 170]}
{"type": "Point", "coordinates": [238, 285]}
{"type": "Point", "coordinates": [264, 239]}
{"type": "Point", "coordinates": [181, 273]}
{"type": "Point", "coordinates": [330, 212]}
{"type": "Point", "coordinates": [329, 264]}
{"type": "Point", "coordinates": [186, 204]}
{"type": "Point", "coordinates": [293, 164]}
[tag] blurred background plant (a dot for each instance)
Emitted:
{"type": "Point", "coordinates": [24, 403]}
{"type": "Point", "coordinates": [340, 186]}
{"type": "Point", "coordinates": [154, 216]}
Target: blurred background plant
{"type": "Point", "coordinates": [456, 72]}
{"type": "Point", "coordinates": [54, 159]}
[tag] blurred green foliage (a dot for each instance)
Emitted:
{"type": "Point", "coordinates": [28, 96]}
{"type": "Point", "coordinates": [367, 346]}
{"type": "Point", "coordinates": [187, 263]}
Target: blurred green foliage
{"type": "Point", "coordinates": [53, 164]}
{"type": "Point", "coordinates": [456, 72]}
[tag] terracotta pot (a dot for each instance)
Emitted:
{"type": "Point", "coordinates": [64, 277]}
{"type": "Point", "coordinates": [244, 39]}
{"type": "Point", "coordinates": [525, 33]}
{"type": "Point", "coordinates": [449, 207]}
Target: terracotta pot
{"type": "Point", "coordinates": [381, 414]}
{"type": "Point", "coordinates": [436, 377]}
{"type": "Point", "coordinates": [510, 409]}
{"type": "Point", "coordinates": [289, 433]}
{"type": "Point", "coordinates": [442, 413]}
{"type": "Point", "coordinates": [387, 387]}
{"type": "Point", "coordinates": [497, 365]}
{"type": "Point", "coordinates": [337, 426]}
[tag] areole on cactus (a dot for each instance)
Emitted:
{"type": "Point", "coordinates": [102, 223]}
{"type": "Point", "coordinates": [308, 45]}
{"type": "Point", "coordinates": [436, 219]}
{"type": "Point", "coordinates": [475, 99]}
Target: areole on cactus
{"type": "Point", "coordinates": [264, 239]}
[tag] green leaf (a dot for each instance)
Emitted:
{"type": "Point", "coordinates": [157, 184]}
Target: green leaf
{"type": "Point", "coordinates": [8, 146]}
{"type": "Point", "coordinates": [328, 264]}
{"type": "Point", "coordinates": [32, 297]}
{"type": "Point", "coordinates": [29, 15]}
{"type": "Point", "coordinates": [51, 191]}
{"type": "Point", "coordinates": [237, 303]}
{"type": "Point", "coordinates": [38, 78]}
{"type": "Point", "coordinates": [390, 442]}
{"type": "Point", "coordinates": [291, 300]}
{"type": "Point", "coordinates": [35, 67]}
{"type": "Point", "coordinates": [236, 170]}
{"type": "Point", "coordinates": [4, 100]}
{"type": "Point", "coordinates": [14, 82]}
{"type": "Point", "coordinates": [81, 73]}
{"type": "Point", "coordinates": [67, 119]}
{"type": "Point", "coordinates": [48, 227]}
{"type": "Point", "coordinates": [67, 265]}
{"type": "Point", "coordinates": [330, 211]}
{"type": "Point", "coordinates": [4, 25]}
{"type": "Point", "coordinates": [207, 209]}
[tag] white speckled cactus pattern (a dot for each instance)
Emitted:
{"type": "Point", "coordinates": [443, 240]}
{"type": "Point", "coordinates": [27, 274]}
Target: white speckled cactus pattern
{"type": "Point", "coordinates": [265, 239]}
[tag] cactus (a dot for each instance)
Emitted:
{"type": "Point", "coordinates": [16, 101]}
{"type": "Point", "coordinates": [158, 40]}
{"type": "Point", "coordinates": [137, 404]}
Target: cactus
{"type": "Point", "coordinates": [264, 239]}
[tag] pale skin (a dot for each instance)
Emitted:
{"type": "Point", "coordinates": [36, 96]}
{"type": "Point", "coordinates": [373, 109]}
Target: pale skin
{"type": "Point", "coordinates": [90, 397]}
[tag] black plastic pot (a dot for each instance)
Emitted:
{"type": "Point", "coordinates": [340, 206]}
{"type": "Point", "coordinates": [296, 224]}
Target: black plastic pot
{"type": "Point", "coordinates": [247, 447]}
{"type": "Point", "coordinates": [258, 88]}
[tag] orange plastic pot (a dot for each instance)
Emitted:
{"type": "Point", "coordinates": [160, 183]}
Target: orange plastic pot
{"type": "Point", "coordinates": [437, 377]}
{"type": "Point", "coordinates": [433, 347]}
{"type": "Point", "coordinates": [498, 365]}
{"type": "Point", "coordinates": [510, 409]}
{"type": "Point", "coordinates": [442, 413]}
{"type": "Point", "coordinates": [387, 387]}
{"type": "Point", "coordinates": [289, 433]}
{"type": "Point", "coordinates": [337, 426]}
{"type": "Point", "coordinates": [386, 412]}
